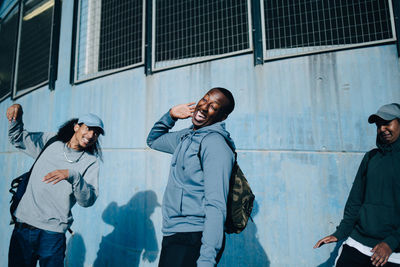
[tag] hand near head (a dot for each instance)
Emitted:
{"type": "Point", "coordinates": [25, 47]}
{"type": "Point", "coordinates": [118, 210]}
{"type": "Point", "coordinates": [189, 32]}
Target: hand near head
{"type": "Point", "coordinates": [381, 254]}
{"type": "Point", "coordinates": [182, 111]}
{"type": "Point", "coordinates": [14, 112]}
{"type": "Point", "coordinates": [326, 240]}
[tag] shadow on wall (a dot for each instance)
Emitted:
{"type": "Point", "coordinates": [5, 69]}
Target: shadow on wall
{"type": "Point", "coordinates": [76, 251]}
{"type": "Point", "coordinates": [133, 233]}
{"type": "Point", "coordinates": [244, 249]}
{"type": "Point", "coordinates": [331, 260]}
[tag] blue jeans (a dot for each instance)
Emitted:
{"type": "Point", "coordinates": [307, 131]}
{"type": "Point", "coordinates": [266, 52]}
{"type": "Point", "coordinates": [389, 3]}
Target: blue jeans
{"type": "Point", "coordinates": [28, 245]}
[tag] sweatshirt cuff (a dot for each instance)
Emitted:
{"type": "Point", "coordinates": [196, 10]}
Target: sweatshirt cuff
{"type": "Point", "coordinates": [204, 264]}
{"type": "Point", "coordinates": [392, 242]}
{"type": "Point", "coordinates": [339, 235]}
{"type": "Point", "coordinates": [169, 120]}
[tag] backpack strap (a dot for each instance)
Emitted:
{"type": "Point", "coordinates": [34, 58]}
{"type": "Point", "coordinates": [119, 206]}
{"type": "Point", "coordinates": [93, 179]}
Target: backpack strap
{"type": "Point", "coordinates": [18, 185]}
{"type": "Point", "coordinates": [48, 143]}
{"type": "Point", "coordinates": [198, 153]}
{"type": "Point", "coordinates": [15, 182]}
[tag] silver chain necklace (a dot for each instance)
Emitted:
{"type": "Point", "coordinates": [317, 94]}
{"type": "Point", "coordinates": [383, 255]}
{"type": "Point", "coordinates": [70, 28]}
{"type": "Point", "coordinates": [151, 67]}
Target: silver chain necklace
{"type": "Point", "coordinates": [69, 160]}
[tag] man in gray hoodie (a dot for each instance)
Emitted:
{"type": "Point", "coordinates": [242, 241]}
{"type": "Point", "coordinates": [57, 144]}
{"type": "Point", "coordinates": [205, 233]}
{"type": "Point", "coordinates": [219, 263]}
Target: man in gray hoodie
{"type": "Point", "coordinates": [65, 173]}
{"type": "Point", "coordinates": [194, 204]}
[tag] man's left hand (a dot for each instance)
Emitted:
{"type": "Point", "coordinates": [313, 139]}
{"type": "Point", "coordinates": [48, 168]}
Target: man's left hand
{"type": "Point", "coordinates": [56, 176]}
{"type": "Point", "coordinates": [381, 254]}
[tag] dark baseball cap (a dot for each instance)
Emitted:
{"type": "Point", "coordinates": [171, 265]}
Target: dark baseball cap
{"type": "Point", "coordinates": [387, 112]}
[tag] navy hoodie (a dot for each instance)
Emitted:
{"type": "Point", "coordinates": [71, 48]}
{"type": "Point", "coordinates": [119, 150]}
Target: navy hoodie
{"type": "Point", "coordinates": [372, 210]}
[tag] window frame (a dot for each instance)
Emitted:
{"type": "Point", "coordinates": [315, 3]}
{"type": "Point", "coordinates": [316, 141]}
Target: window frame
{"type": "Point", "coordinates": [99, 74]}
{"type": "Point", "coordinates": [332, 49]}
{"type": "Point", "coordinates": [53, 50]}
{"type": "Point", "coordinates": [9, 11]}
{"type": "Point", "coordinates": [197, 60]}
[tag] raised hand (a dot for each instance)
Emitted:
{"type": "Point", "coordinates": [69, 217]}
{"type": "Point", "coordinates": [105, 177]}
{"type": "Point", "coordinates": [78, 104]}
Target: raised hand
{"type": "Point", "coordinates": [14, 112]}
{"type": "Point", "coordinates": [182, 111]}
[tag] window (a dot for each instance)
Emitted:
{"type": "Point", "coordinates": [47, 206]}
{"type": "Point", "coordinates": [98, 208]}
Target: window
{"type": "Point", "coordinates": [8, 37]}
{"type": "Point", "coordinates": [296, 27]}
{"type": "Point", "coordinates": [110, 37]}
{"type": "Point", "coordinates": [189, 31]}
{"type": "Point", "coordinates": [35, 42]}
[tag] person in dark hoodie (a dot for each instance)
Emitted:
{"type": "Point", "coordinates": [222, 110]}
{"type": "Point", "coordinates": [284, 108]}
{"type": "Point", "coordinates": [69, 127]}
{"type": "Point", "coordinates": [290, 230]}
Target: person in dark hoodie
{"type": "Point", "coordinates": [371, 221]}
{"type": "Point", "coordinates": [194, 204]}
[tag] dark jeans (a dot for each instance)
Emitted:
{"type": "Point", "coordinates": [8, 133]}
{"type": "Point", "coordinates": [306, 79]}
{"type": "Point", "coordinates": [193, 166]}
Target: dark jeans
{"type": "Point", "coordinates": [27, 245]}
{"type": "Point", "coordinates": [183, 250]}
{"type": "Point", "coordinates": [351, 257]}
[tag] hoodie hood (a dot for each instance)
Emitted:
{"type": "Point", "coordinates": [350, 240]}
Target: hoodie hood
{"type": "Point", "coordinates": [218, 127]}
{"type": "Point", "coordinates": [395, 146]}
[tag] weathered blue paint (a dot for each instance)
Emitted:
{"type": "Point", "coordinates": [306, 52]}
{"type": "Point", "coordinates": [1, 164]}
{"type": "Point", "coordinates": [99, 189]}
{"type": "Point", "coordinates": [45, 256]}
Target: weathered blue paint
{"type": "Point", "coordinates": [300, 125]}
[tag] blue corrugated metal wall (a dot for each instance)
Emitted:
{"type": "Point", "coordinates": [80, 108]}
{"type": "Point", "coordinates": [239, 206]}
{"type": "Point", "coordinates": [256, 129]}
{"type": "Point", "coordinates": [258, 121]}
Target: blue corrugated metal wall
{"type": "Point", "coordinates": [300, 126]}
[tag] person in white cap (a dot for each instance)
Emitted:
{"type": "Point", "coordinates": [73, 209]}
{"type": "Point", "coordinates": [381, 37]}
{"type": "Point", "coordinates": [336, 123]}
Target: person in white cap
{"type": "Point", "coordinates": [371, 221]}
{"type": "Point", "coordinates": [65, 173]}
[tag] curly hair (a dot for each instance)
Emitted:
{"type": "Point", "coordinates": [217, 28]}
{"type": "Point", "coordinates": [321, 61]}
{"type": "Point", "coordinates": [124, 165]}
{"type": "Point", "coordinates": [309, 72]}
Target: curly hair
{"type": "Point", "coordinates": [66, 131]}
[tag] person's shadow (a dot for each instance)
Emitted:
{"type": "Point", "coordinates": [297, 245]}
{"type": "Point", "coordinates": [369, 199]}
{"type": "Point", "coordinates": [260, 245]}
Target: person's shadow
{"type": "Point", "coordinates": [76, 251]}
{"type": "Point", "coordinates": [244, 249]}
{"type": "Point", "coordinates": [332, 257]}
{"type": "Point", "coordinates": [133, 233]}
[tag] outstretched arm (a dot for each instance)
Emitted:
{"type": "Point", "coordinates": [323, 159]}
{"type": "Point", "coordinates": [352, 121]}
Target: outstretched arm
{"type": "Point", "coordinates": [326, 240]}
{"type": "Point", "coordinates": [29, 142]}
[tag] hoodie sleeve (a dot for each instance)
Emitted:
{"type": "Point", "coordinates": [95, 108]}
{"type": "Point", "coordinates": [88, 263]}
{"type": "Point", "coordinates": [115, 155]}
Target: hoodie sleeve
{"type": "Point", "coordinates": [217, 159]}
{"type": "Point", "coordinates": [85, 186]}
{"type": "Point", "coordinates": [160, 138]}
{"type": "Point", "coordinates": [353, 204]}
{"type": "Point", "coordinates": [30, 143]}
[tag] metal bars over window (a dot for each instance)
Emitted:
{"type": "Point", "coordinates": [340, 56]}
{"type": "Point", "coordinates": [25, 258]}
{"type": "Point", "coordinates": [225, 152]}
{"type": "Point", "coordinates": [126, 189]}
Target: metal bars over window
{"type": "Point", "coordinates": [189, 31]}
{"type": "Point", "coordinates": [110, 37]}
{"type": "Point", "coordinates": [8, 43]}
{"type": "Point", "coordinates": [38, 31]}
{"type": "Point", "coordinates": [294, 27]}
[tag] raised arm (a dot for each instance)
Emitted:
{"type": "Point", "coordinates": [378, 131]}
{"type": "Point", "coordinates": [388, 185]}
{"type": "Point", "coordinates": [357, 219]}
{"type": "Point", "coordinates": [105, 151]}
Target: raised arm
{"type": "Point", "coordinates": [29, 142]}
{"type": "Point", "coordinates": [160, 138]}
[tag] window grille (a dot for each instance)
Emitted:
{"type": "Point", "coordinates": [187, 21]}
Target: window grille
{"type": "Point", "coordinates": [293, 27]}
{"type": "Point", "coordinates": [8, 37]}
{"type": "Point", "coordinates": [34, 46]}
{"type": "Point", "coordinates": [189, 31]}
{"type": "Point", "coordinates": [110, 37]}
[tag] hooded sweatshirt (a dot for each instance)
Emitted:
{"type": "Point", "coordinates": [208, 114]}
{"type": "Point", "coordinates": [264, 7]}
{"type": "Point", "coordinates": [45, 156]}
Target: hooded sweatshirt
{"type": "Point", "coordinates": [48, 206]}
{"type": "Point", "coordinates": [195, 196]}
{"type": "Point", "coordinates": [372, 211]}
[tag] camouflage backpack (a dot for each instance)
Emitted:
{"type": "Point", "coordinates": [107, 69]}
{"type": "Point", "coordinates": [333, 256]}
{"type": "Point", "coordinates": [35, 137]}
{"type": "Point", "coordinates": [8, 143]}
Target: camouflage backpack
{"type": "Point", "coordinates": [240, 200]}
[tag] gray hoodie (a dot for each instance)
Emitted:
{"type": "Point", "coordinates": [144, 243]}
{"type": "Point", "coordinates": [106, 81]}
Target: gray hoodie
{"type": "Point", "coordinates": [48, 206]}
{"type": "Point", "coordinates": [195, 197]}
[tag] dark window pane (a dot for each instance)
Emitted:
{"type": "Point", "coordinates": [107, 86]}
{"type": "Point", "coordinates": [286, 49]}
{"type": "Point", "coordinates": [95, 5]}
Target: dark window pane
{"type": "Point", "coordinates": [192, 28]}
{"type": "Point", "coordinates": [325, 23]}
{"type": "Point", "coordinates": [8, 37]}
{"type": "Point", "coordinates": [35, 40]}
{"type": "Point", "coordinates": [120, 33]}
